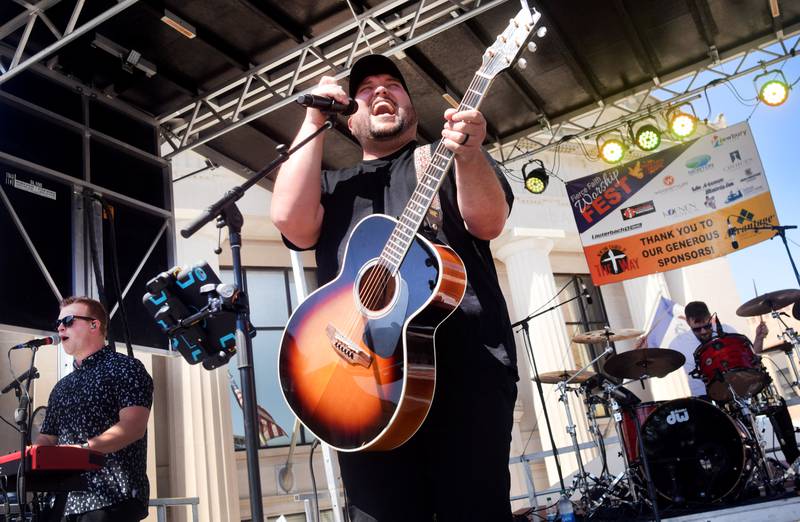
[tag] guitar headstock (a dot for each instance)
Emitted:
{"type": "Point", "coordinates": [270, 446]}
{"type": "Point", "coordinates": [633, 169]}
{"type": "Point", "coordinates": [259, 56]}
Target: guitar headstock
{"type": "Point", "coordinates": [502, 53]}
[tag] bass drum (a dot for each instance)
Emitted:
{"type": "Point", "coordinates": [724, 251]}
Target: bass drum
{"type": "Point", "coordinates": [697, 453]}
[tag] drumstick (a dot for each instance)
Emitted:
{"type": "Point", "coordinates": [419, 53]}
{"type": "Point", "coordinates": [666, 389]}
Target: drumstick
{"type": "Point", "coordinates": [760, 317]}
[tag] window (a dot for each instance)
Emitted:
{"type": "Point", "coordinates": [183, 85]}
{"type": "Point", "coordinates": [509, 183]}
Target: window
{"type": "Point", "coordinates": [581, 317]}
{"type": "Point", "coordinates": [272, 299]}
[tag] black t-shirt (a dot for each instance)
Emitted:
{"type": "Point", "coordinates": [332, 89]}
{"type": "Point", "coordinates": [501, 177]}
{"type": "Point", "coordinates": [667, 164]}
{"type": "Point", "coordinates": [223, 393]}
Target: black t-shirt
{"type": "Point", "coordinates": [384, 186]}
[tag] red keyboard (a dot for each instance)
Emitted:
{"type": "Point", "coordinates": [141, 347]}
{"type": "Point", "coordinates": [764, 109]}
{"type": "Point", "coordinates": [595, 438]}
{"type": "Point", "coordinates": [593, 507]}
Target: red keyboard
{"type": "Point", "coordinates": [43, 459]}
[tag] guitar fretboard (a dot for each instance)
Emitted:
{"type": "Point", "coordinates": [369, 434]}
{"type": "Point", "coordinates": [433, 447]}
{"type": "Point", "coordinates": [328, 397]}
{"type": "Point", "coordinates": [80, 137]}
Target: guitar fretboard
{"type": "Point", "coordinates": [428, 185]}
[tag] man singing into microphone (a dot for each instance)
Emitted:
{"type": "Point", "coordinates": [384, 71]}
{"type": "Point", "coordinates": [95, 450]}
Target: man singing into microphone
{"type": "Point", "coordinates": [456, 466]}
{"type": "Point", "coordinates": [102, 405]}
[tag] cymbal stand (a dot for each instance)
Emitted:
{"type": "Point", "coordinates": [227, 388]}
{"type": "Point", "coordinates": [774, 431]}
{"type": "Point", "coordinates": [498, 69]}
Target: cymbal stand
{"type": "Point", "coordinates": [580, 478]}
{"type": "Point", "coordinates": [790, 334]}
{"type": "Point", "coordinates": [563, 388]}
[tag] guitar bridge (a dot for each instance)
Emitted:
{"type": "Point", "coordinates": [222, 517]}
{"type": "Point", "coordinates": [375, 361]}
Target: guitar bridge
{"type": "Point", "coordinates": [347, 349]}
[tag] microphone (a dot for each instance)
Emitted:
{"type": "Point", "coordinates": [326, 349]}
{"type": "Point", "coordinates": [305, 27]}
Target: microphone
{"type": "Point", "coordinates": [326, 104]}
{"type": "Point", "coordinates": [732, 235]}
{"type": "Point", "coordinates": [585, 292]}
{"type": "Point", "coordinates": [32, 372]}
{"type": "Point", "coordinates": [42, 341]}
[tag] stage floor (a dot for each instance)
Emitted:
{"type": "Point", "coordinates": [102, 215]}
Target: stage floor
{"type": "Point", "coordinates": [781, 510]}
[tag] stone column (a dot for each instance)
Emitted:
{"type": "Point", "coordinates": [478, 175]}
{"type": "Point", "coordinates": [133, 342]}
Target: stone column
{"type": "Point", "coordinates": [532, 284]}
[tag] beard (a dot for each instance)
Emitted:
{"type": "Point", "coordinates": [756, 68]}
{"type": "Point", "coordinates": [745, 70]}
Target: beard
{"type": "Point", "coordinates": [365, 127]}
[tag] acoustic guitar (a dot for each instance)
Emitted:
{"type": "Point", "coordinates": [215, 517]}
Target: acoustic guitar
{"type": "Point", "coordinates": [357, 362]}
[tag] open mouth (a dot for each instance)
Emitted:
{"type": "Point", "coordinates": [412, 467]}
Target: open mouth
{"type": "Point", "coordinates": [382, 107]}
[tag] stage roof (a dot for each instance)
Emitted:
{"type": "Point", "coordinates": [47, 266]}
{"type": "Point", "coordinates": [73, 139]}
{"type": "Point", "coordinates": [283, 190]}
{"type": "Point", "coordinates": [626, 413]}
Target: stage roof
{"type": "Point", "coordinates": [249, 58]}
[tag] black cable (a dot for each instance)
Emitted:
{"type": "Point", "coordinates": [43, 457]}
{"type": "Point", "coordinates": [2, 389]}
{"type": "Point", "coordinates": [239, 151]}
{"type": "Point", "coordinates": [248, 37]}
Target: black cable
{"type": "Point", "coordinates": [9, 423]}
{"type": "Point", "coordinates": [109, 212]}
{"type": "Point", "coordinates": [88, 225]}
{"type": "Point", "coordinates": [555, 296]}
{"type": "Point", "coordinates": [313, 478]}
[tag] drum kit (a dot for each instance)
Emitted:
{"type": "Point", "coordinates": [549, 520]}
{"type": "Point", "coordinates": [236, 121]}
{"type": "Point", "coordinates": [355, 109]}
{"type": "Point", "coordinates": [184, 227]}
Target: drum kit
{"type": "Point", "coordinates": [685, 453]}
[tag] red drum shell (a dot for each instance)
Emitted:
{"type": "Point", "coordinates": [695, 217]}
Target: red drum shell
{"type": "Point", "coordinates": [630, 439]}
{"type": "Point", "coordinates": [730, 359]}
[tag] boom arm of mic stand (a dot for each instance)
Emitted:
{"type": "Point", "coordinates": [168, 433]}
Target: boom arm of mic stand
{"type": "Point", "coordinates": [780, 230]}
{"type": "Point", "coordinates": [236, 193]}
{"type": "Point", "coordinates": [537, 314]}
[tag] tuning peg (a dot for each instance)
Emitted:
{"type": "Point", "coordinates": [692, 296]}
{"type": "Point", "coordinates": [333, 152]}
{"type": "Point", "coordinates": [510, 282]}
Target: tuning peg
{"type": "Point", "coordinates": [532, 47]}
{"type": "Point", "coordinates": [540, 32]}
{"type": "Point", "coordinates": [522, 63]}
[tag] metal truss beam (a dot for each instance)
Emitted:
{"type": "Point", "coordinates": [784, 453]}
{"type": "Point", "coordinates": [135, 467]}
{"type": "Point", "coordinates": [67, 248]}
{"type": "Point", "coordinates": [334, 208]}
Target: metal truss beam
{"type": "Point", "coordinates": [678, 87]}
{"type": "Point", "coordinates": [389, 28]}
{"type": "Point", "coordinates": [70, 33]}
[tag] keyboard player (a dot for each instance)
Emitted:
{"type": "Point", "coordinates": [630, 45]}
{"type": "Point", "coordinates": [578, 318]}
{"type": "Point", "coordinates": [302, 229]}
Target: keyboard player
{"type": "Point", "coordinates": [103, 405]}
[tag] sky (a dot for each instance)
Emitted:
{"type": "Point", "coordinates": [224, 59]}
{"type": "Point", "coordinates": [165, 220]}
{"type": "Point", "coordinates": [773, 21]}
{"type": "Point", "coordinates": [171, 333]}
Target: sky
{"type": "Point", "coordinates": [776, 131]}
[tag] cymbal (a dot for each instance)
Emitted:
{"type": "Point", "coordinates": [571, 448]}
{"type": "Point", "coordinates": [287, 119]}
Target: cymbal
{"type": "Point", "coordinates": [780, 347]}
{"type": "Point", "coordinates": [612, 335]}
{"type": "Point", "coordinates": [563, 375]}
{"type": "Point", "coordinates": [647, 362]}
{"type": "Point", "coordinates": [766, 303]}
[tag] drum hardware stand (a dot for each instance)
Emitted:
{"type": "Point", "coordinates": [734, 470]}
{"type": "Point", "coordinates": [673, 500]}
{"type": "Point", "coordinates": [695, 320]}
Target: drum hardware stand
{"type": "Point", "coordinates": [616, 413]}
{"type": "Point", "coordinates": [794, 341]}
{"type": "Point", "coordinates": [747, 413]}
{"type": "Point", "coordinates": [563, 389]}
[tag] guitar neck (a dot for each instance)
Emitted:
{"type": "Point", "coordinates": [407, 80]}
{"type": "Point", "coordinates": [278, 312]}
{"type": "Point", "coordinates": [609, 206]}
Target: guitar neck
{"type": "Point", "coordinates": [428, 184]}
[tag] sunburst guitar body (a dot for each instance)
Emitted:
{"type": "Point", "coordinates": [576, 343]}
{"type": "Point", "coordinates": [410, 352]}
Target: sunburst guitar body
{"type": "Point", "coordinates": [357, 362]}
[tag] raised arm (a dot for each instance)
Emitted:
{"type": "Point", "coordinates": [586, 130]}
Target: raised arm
{"type": "Point", "coordinates": [481, 199]}
{"type": "Point", "coordinates": [295, 209]}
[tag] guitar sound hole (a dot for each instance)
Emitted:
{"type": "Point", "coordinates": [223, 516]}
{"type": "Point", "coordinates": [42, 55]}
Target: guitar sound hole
{"type": "Point", "coordinates": [376, 288]}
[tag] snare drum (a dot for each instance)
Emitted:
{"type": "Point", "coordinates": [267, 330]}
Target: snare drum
{"type": "Point", "coordinates": [730, 360]}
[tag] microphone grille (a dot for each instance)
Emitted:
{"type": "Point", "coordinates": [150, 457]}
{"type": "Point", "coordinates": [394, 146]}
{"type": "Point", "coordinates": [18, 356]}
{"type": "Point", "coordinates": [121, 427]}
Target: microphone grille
{"type": "Point", "coordinates": [54, 339]}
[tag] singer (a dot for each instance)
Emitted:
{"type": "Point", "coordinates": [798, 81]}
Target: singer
{"type": "Point", "coordinates": [476, 366]}
{"type": "Point", "coordinates": [103, 405]}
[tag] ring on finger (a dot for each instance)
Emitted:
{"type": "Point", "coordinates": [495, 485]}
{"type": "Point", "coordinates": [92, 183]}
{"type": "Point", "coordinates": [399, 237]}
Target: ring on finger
{"type": "Point", "coordinates": [464, 140]}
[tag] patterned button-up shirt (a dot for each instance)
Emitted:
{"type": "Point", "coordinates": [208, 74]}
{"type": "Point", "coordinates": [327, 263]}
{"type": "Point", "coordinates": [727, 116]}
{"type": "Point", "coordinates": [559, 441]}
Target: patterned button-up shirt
{"type": "Point", "coordinates": [86, 403]}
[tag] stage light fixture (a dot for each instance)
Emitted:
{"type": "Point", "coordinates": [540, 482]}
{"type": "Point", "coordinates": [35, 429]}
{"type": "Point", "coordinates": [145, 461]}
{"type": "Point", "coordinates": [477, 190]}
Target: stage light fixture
{"type": "Point", "coordinates": [648, 137]}
{"type": "Point", "coordinates": [611, 150]}
{"type": "Point", "coordinates": [774, 90]}
{"type": "Point", "coordinates": [682, 123]}
{"type": "Point", "coordinates": [535, 179]}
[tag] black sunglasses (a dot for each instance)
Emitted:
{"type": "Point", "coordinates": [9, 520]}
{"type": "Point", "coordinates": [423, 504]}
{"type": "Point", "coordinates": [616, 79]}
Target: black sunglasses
{"type": "Point", "coordinates": [701, 327]}
{"type": "Point", "coordinates": [67, 320]}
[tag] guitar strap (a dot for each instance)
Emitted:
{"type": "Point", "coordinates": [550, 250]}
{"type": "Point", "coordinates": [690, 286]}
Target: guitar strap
{"type": "Point", "coordinates": [433, 218]}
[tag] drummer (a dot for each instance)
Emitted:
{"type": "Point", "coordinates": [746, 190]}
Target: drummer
{"type": "Point", "coordinates": [704, 326]}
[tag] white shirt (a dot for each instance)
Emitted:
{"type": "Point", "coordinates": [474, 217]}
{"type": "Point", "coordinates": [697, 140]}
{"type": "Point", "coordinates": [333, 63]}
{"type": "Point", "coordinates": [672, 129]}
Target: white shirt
{"type": "Point", "coordinates": [687, 343]}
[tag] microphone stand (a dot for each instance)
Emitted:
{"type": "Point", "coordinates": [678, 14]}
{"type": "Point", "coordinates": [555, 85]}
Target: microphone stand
{"type": "Point", "coordinates": [780, 230]}
{"type": "Point", "coordinates": [22, 391]}
{"type": "Point", "coordinates": [529, 348]}
{"type": "Point", "coordinates": [227, 214]}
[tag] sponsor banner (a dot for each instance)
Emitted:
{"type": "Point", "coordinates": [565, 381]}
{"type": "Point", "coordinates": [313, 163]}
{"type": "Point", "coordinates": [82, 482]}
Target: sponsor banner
{"type": "Point", "coordinates": [706, 181]}
{"type": "Point", "coordinates": [680, 244]}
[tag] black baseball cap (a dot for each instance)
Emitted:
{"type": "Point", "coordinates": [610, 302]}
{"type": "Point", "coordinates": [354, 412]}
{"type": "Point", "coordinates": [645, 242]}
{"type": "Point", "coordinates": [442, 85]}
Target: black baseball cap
{"type": "Point", "coordinates": [371, 65]}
